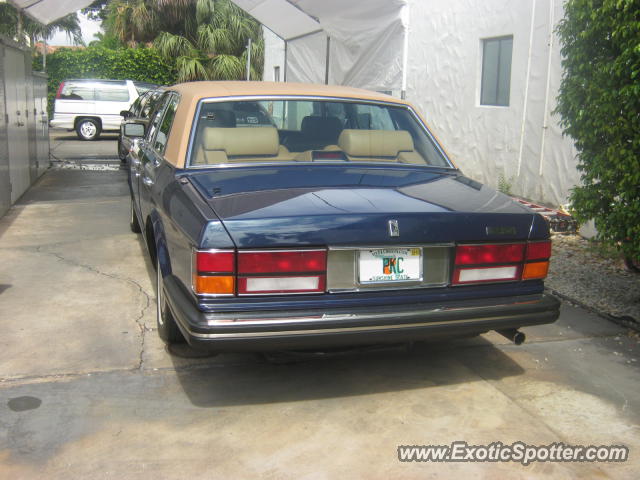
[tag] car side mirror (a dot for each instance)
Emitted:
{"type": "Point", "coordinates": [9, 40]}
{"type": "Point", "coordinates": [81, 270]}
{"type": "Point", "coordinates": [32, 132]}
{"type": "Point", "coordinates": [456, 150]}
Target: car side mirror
{"type": "Point", "coordinates": [125, 114]}
{"type": "Point", "coordinates": [134, 130]}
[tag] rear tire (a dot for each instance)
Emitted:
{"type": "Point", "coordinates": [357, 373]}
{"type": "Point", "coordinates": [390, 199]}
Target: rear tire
{"type": "Point", "coordinates": [167, 328]}
{"type": "Point", "coordinates": [88, 128]}
{"type": "Point", "coordinates": [133, 220]}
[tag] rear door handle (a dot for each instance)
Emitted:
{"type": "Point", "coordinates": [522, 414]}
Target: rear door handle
{"type": "Point", "coordinates": [147, 181]}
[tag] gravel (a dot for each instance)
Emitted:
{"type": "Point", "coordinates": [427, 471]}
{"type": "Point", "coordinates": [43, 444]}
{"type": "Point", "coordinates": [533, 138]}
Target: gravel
{"type": "Point", "coordinates": [99, 165]}
{"type": "Point", "coordinates": [579, 273]}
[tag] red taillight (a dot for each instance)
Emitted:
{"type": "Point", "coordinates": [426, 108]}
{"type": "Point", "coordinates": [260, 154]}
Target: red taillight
{"type": "Point", "coordinates": [538, 250]}
{"type": "Point", "coordinates": [214, 272]}
{"type": "Point", "coordinates": [215, 261]}
{"type": "Point", "coordinates": [482, 254]}
{"type": "Point", "coordinates": [281, 271]}
{"type": "Point", "coordinates": [282, 261]}
{"type": "Point", "coordinates": [59, 92]}
{"type": "Point", "coordinates": [501, 262]}
{"type": "Point", "coordinates": [259, 272]}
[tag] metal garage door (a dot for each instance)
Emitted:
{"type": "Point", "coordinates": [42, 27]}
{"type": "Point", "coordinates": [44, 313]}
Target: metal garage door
{"type": "Point", "coordinates": [17, 135]}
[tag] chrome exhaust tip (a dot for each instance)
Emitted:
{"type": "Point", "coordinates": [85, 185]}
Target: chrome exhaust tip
{"type": "Point", "coordinates": [516, 336]}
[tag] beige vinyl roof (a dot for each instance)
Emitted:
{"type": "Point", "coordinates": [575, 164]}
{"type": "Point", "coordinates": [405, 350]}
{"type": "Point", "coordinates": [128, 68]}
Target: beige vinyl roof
{"type": "Point", "coordinates": [191, 93]}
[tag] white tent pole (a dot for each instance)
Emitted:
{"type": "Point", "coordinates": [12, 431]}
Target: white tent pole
{"type": "Point", "coordinates": [405, 51]}
{"type": "Point", "coordinates": [249, 60]}
{"type": "Point", "coordinates": [286, 45]}
{"type": "Point", "coordinates": [326, 67]}
{"type": "Point", "coordinates": [545, 125]}
{"type": "Point", "coordinates": [526, 88]}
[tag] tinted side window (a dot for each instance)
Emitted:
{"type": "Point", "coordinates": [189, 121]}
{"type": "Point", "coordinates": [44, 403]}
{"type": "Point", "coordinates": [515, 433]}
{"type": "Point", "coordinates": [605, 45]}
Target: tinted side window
{"type": "Point", "coordinates": [136, 107]}
{"type": "Point", "coordinates": [156, 117]}
{"type": "Point", "coordinates": [112, 94]}
{"type": "Point", "coordinates": [150, 103]}
{"type": "Point", "coordinates": [77, 91]}
{"type": "Point", "coordinates": [160, 142]}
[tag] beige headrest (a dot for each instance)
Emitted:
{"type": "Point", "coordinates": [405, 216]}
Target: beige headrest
{"type": "Point", "coordinates": [375, 143]}
{"type": "Point", "coordinates": [245, 141]}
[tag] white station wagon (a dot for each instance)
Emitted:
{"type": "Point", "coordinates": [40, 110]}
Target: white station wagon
{"type": "Point", "coordinates": [91, 106]}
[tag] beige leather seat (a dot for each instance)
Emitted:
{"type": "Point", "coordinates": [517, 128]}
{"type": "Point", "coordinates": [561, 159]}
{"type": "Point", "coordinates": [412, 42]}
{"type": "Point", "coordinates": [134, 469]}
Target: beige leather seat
{"type": "Point", "coordinates": [234, 145]}
{"type": "Point", "coordinates": [379, 146]}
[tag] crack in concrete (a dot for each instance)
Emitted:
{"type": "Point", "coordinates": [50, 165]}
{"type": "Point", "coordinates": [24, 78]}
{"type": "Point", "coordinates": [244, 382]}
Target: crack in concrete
{"type": "Point", "coordinates": [138, 320]}
{"type": "Point", "coordinates": [53, 377]}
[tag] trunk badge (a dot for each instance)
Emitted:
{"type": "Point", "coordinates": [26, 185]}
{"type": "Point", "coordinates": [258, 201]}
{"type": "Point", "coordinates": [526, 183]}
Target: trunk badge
{"type": "Point", "coordinates": [394, 230]}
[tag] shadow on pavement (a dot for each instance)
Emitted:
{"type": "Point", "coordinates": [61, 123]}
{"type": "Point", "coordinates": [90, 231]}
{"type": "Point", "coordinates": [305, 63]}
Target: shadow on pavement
{"type": "Point", "coordinates": [249, 379]}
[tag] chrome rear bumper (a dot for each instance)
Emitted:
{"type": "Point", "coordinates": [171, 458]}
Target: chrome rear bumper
{"type": "Point", "coordinates": [266, 330]}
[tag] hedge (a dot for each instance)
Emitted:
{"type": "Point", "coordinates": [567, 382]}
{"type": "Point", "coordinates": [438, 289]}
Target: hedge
{"type": "Point", "coordinates": [599, 103]}
{"type": "Point", "coordinates": [142, 64]}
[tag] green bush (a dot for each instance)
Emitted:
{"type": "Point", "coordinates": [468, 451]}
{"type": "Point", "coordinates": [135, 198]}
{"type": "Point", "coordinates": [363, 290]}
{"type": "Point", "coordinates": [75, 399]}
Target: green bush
{"type": "Point", "coordinates": [142, 64]}
{"type": "Point", "coordinates": [599, 103]}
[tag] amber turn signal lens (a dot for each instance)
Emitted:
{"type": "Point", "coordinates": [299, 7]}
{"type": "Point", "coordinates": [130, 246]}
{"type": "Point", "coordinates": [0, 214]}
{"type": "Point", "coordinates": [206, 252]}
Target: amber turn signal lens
{"type": "Point", "coordinates": [214, 285]}
{"type": "Point", "coordinates": [535, 270]}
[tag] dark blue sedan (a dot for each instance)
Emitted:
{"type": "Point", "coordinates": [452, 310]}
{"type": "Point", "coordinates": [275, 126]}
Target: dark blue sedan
{"type": "Point", "coordinates": [285, 216]}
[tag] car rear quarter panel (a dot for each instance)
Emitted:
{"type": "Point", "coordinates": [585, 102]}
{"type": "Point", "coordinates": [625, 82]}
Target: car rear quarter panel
{"type": "Point", "coordinates": [179, 217]}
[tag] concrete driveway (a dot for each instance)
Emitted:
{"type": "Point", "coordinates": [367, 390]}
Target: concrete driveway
{"type": "Point", "coordinates": [87, 389]}
{"type": "Point", "coordinates": [65, 145]}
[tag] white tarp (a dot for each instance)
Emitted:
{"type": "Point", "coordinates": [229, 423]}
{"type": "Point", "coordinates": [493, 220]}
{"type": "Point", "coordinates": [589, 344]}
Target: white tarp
{"type": "Point", "coordinates": [367, 39]}
{"type": "Point", "coordinates": [47, 11]}
{"type": "Point", "coordinates": [519, 145]}
{"type": "Point", "coordinates": [281, 17]}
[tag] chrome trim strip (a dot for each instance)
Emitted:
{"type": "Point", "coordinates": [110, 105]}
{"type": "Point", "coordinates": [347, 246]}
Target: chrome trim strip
{"type": "Point", "coordinates": [417, 245]}
{"type": "Point", "coordinates": [341, 329]}
{"type": "Point", "coordinates": [361, 317]}
{"type": "Point", "coordinates": [501, 242]}
{"type": "Point", "coordinates": [263, 250]}
{"type": "Point", "coordinates": [214, 250]}
{"type": "Point", "coordinates": [389, 287]}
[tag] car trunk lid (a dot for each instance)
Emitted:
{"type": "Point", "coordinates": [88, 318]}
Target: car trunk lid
{"type": "Point", "coordinates": [335, 205]}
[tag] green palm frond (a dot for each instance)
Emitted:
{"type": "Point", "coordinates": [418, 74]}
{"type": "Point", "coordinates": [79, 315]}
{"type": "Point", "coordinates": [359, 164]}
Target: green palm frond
{"type": "Point", "coordinates": [191, 69]}
{"type": "Point", "coordinates": [172, 46]}
{"type": "Point", "coordinates": [69, 24]}
{"type": "Point", "coordinates": [213, 40]}
{"type": "Point", "coordinates": [205, 39]}
{"type": "Point", "coordinates": [143, 21]}
{"type": "Point", "coordinates": [226, 67]}
{"type": "Point", "coordinates": [176, 13]}
{"type": "Point", "coordinates": [205, 11]}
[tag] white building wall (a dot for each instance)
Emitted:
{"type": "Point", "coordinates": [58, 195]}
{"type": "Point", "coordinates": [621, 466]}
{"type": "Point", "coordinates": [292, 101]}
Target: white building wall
{"type": "Point", "coordinates": [521, 142]}
{"type": "Point", "coordinates": [273, 56]}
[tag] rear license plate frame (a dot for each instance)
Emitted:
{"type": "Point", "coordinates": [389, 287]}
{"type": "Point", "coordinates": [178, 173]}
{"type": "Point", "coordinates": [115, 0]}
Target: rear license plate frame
{"type": "Point", "coordinates": [365, 265]}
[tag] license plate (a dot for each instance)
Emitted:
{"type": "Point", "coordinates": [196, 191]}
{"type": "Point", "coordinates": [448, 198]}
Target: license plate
{"type": "Point", "coordinates": [390, 265]}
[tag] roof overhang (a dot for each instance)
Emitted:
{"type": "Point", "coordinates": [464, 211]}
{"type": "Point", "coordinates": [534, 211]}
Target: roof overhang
{"type": "Point", "coordinates": [282, 17]}
{"type": "Point", "coordinates": [47, 11]}
{"type": "Point", "coordinates": [361, 43]}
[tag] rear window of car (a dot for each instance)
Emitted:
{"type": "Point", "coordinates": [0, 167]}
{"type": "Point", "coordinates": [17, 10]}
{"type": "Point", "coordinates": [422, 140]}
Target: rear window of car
{"type": "Point", "coordinates": [274, 130]}
{"type": "Point", "coordinates": [78, 91]}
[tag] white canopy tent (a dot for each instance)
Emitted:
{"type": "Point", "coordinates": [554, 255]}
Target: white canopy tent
{"type": "Point", "coordinates": [359, 43]}
{"type": "Point", "coordinates": [47, 11]}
